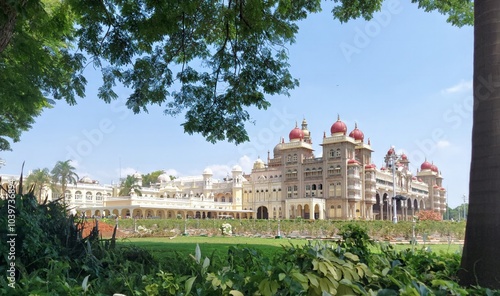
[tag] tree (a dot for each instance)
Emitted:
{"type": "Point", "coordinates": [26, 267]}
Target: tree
{"type": "Point", "coordinates": [480, 260]}
{"type": "Point", "coordinates": [128, 185]}
{"type": "Point", "coordinates": [64, 174]}
{"type": "Point", "coordinates": [38, 178]}
{"type": "Point", "coordinates": [151, 178]}
{"type": "Point", "coordinates": [37, 65]}
{"type": "Point", "coordinates": [223, 57]}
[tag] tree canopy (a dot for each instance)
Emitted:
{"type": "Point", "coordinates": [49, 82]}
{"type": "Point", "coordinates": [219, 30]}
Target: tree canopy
{"type": "Point", "coordinates": [210, 61]}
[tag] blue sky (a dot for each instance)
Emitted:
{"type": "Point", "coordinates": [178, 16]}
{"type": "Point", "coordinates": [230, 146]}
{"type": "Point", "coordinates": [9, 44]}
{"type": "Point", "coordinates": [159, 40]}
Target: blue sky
{"type": "Point", "coordinates": [405, 78]}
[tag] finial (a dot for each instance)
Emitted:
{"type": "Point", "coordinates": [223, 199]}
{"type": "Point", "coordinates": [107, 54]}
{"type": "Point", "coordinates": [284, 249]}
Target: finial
{"type": "Point", "coordinates": [324, 134]}
{"type": "Point", "coordinates": [338, 116]}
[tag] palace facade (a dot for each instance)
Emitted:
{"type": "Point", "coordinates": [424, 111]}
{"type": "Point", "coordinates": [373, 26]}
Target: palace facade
{"type": "Point", "coordinates": [342, 184]}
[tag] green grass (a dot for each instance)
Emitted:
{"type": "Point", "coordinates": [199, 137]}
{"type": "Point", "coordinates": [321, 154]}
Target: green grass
{"type": "Point", "coordinates": [165, 248]}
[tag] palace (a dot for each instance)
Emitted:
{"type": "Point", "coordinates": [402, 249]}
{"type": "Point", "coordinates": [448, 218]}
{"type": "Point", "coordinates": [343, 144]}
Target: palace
{"type": "Point", "coordinates": [342, 184]}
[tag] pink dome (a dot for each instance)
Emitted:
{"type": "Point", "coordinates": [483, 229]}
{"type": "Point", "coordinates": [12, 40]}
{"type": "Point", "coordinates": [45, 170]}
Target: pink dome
{"type": "Point", "coordinates": [352, 161]}
{"type": "Point", "coordinates": [404, 157]}
{"type": "Point", "coordinates": [426, 166]}
{"type": "Point", "coordinates": [338, 127]}
{"type": "Point", "coordinates": [296, 133]}
{"type": "Point", "coordinates": [357, 134]}
{"type": "Point", "coordinates": [391, 151]}
{"type": "Point", "coordinates": [434, 168]}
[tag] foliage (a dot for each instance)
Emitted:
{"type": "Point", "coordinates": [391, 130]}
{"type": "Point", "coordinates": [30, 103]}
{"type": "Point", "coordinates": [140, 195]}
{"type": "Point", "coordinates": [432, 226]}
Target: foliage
{"type": "Point", "coordinates": [151, 178]}
{"type": "Point", "coordinates": [210, 61]}
{"type": "Point", "coordinates": [426, 215]}
{"type": "Point", "coordinates": [37, 63]}
{"type": "Point", "coordinates": [129, 185]}
{"type": "Point", "coordinates": [38, 178]}
{"type": "Point", "coordinates": [64, 173]}
{"type": "Point", "coordinates": [54, 259]}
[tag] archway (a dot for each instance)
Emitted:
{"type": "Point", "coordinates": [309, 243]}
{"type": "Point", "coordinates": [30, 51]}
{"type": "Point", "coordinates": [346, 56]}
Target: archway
{"type": "Point", "coordinates": [262, 213]}
{"type": "Point", "coordinates": [316, 211]}
{"type": "Point", "coordinates": [307, 212]}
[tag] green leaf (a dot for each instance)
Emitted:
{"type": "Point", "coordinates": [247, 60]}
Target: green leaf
{"type": "Point", "coordinates": [188, 285]}
{"type": "Point", "coordinates": [235, 293]}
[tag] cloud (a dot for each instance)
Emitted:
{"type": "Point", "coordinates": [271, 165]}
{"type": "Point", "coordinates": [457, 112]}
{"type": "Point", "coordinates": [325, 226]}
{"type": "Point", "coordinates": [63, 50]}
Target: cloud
{"type": "Point", "coordinates": [172, 172]}
{"type": "Point", "coordinates": [443, 144]}
{"type": "Point", "coordinates": [221, 171]}
{"type": "Point", "coordinates": [125, 172]}
{"type": "Point", "coordinates": [460, 87]}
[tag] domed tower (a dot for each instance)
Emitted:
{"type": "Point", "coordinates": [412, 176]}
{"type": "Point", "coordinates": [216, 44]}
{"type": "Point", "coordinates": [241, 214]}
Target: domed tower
{"type": "Point", "coordinates": [277, 149]}
{"type": "Point", "coordinates": [338, 127]}
{"type": "Point", "coordinates": [296, 134]}
{"type": "Point", "coordinates": [138, 179]}
{"type": "Point", "coordinates": [236, 172]}
{"type": "Point", "coordinates": [357, 134]}
{"type": "Point", "coordinates": [207, 180]}
{"type": "Point", "coordinates": [306, 132]}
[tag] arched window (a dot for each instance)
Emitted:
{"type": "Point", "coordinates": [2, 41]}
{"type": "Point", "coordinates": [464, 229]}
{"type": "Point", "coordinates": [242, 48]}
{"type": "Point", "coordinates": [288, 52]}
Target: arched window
{"type": "Point", "coordinates": [78, 195]}
{"type": "Point", "coordinates": [67, 194]}
{"type": "Point", "coordinates": [332, 153]}
{"type": "Point", "coordinates": [88, 195]}
{"type": "Point", "coordinates": [295, 157]}
{"type": "Point", "coordinates": [98, 196]}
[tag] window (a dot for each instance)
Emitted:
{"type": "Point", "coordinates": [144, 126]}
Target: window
{"type": "Point", "coordinates": [98, 196]}
{"type": "Point", "coordinates": [332, 153]}
{"type": "Point", "coordinates": [67, 194]}
{"type": "Point", "coordinates": [295, 157]}
{"type": "Point", "coordinates": [337, 153]}
{"type": "Point", "coordinates": [88, 196]}
{"type": "Point", "coordinates": [78, 195]}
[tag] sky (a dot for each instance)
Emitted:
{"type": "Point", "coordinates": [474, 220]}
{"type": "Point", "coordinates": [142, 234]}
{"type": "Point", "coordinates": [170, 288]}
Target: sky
{"type": "Point", "coordinates": [405, 78]}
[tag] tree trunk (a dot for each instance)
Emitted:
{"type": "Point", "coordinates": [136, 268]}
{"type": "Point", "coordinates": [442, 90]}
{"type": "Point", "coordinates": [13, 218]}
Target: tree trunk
{"type": "Point", "coordinates": [480, 260]}
{"type": "Point", "coordinates": [7, 23]}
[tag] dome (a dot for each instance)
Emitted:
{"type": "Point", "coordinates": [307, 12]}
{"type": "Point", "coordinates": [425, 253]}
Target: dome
{"type": "Point", "coordinates": [296, 134]}
{"type": "Point", "coordinates": [86, 180]}
{"type": "Point", "coordinates": [137, 176]}
{"type": "Point", "coordinates": [357, 134]}
{"type": "Point", "coordinates": [414, 178]}
{"type": "Point", "coordinates": [259, 164]}
{"type": "Point", "coordinates": [236, 168]}
{"type": "Point", "coordinates": [404, 157]}
{"type": "Point", "coordinates": [277, 149]}
{"type": "Point", "coordinates": [426, 166]}
{"type": "Point", "coordinates": [207, 171]}
{"type": "Point", "coordinates": [420, 180]}
{"type": "Point", "coordinates": [434, 168]}
{"type": "Point", "coordinates": [370, 166]}
{"type": "Point", "coordinates": [390, 151]}
{"type": "Point", "coordinates": [163, 178]}
{"type": "Point", "coordinates": [338, 127]}
{"type": "Point", "coordinates": [352, 161]}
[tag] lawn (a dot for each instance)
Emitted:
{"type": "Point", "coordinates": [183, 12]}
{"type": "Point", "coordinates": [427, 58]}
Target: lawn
{"type": "Point", "coordinates": [165, 248]}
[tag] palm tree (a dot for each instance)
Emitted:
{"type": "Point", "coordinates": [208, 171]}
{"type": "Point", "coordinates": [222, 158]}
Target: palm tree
{"type": "Point", "coordinates": [38, 178]}
{"type": "Point", "coordinates": [480, 260]}
{"type": "Point", "coordinates": [130, 183]}
{"type": "Point", "coordinates": [64, 173]}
